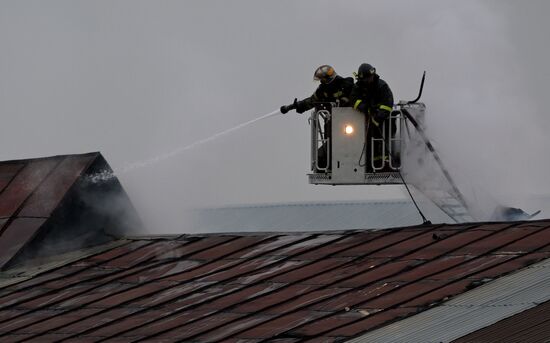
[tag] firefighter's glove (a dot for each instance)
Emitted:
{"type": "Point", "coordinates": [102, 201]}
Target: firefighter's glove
{"type": "Point", "coordinates": [363, 108]}
{"type": "Point", "coordinates": [286, 108]}
{"type": "Point", "coordinates": [379, 115]}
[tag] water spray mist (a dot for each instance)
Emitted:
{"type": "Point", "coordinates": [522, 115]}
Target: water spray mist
{"type": "Point", "coordinates": [107, 175]}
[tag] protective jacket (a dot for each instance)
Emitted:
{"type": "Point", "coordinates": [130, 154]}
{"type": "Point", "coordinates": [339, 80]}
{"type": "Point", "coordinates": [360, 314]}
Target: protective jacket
{"type": "Point", "coordinates": [338, 90]}
{"type": "Point", "coordinates": [374, 99]}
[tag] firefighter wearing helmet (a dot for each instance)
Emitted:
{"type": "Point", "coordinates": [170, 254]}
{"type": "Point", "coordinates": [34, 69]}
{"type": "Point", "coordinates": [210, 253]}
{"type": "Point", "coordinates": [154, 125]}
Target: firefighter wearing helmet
{"type": "Point", "coordinates": [372, 96]}
{"type": "Point", "coordinates": [332, 88]}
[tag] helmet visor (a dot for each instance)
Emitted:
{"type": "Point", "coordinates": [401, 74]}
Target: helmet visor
{"type": "Point", "coordinates": [324, 74]}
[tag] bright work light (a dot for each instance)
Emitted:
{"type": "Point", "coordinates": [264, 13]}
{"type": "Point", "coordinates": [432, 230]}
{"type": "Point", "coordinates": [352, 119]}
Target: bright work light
{"type": "Point", "coordinates": [348, 130]}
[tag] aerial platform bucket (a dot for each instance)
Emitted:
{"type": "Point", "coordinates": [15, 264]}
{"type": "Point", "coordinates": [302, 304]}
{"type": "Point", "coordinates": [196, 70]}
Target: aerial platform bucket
{"type": "Point", "coordinates": [339, 135]}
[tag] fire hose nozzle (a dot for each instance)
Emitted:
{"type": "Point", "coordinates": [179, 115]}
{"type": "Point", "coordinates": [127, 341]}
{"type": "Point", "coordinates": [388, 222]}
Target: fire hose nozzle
{"type": "Point", "coordinates": [286, 108]}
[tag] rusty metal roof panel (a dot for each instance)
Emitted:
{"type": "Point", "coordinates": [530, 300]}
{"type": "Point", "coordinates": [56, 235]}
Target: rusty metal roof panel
{"type": "Point", "coordinates": [23, 184]}
{"type": "Point", "coordinates": [47, 196]}
{"type": "Point", "coordinates": [287, 287]}
{"type": "Point", "coordinates": [15, 236]}
{"type": "Point", "coordinates": [29, 191]}
{"type": "Point", "coordinates": [46, 207]}
{"type": "Point", "coordinates": [8, 172]}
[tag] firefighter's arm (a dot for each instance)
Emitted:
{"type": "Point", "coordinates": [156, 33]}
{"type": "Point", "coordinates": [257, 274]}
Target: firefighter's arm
{"type": "Point", "coordinates": [383, 109]}
{"type": "Point", "coordinates": [305, 105]}
{"type": "Point", "coordinates": [379, 114]}
{"type": "Point", "coordinates": [300, 106]}
{"type": "Point", "coordinates": [356, 102]}
{"type": "Point", "coordinates": [286, 108]}
{"type": "Point", "coordinates": [360, 105]}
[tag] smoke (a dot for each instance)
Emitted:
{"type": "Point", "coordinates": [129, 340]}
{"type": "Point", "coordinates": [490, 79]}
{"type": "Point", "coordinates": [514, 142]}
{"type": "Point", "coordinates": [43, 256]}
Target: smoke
{"type": "Point", "coordinates": [134, 79]}
{"type": "Point", "coordinates": [423, 168]}
{"type": "Point", "coordinates": [483, 115]}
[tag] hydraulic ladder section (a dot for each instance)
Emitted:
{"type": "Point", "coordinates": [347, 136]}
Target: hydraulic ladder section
{"type": "Point", "coordinates": [450, 200]}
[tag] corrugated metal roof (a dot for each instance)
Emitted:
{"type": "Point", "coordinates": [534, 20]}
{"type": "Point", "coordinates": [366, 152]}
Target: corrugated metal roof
{"type": "Point", "coordinates": [530, 326]}
{"type": "Point", "coordinates": [46, 201]}
{"type": "Point", "coordinates": [313, 216]}
{"type": "Point", "coordinates": [471, 311]}
{"type": "Point", "coordinates": [281, 287]}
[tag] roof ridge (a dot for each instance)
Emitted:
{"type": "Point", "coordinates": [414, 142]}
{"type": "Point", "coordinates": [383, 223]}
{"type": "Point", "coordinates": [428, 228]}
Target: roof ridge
{"type": "Point", "coordinates": [307, 204]}
{"type": "Point", "coordinates": [92, 153]}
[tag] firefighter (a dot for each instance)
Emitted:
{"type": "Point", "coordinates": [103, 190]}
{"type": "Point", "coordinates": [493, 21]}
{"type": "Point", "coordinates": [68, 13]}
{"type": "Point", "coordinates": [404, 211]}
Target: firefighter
{"type": "Point", "coordinates": [333, 88]}
{"type": "Point", "coordinates": [372, 96]}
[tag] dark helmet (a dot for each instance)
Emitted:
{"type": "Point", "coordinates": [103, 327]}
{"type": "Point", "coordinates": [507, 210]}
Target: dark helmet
{"type": "Point", "coordinates": [365, 70]}
{"type": "Point", "coordinates": [324, 74]}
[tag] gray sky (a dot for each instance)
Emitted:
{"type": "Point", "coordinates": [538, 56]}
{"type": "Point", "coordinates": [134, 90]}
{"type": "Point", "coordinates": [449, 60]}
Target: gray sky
{"type": "Point", "coordinates": [136, 79]}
